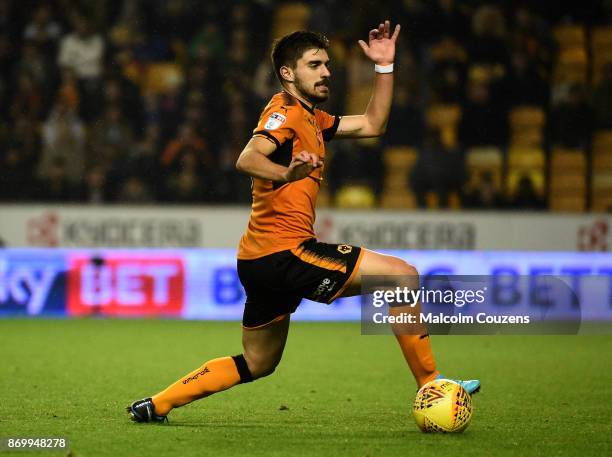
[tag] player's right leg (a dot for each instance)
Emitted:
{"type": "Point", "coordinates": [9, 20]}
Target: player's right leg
{"type": "Point", "coordinates": [413, 339]}
{"type": "Point", "coordinates": [263, 348]}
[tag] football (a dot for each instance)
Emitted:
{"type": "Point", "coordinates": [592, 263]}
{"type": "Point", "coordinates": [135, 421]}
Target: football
{"type": "Point", "coordinates": [442, 406]}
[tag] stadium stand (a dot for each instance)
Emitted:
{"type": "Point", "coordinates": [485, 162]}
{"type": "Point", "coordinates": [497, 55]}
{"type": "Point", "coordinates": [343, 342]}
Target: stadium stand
{"type": "Point", "coordinates": [91, 100]}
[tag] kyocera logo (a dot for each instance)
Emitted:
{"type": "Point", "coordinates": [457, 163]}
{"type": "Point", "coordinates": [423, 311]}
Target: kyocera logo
{"type": "Point", "coordinates": [126, 286]}
{"type": "Point", "coordinates": [26, 285]}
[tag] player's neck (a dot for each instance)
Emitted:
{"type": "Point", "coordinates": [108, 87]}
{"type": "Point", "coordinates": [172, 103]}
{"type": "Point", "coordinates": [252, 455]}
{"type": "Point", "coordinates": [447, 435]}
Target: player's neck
{"type": "Point", "coordinates": [294, 93]}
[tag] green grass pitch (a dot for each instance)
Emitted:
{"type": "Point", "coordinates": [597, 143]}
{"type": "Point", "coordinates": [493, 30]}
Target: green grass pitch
{"type": "Point", "coordinates": [336, 392]}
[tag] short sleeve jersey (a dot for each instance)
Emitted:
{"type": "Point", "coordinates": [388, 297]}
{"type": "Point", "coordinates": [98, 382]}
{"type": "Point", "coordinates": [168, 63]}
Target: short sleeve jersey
{"type": "Point", "coordinates": [283, 214]}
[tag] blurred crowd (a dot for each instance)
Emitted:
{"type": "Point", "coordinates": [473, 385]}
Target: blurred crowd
{"type": "Point", "coordinates": [140, 101]}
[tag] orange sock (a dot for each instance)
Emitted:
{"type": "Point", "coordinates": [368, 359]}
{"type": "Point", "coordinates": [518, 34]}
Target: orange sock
{"type": "Point", "coordinates": [417, 352]}
{"type": "Point", "coordinates": [214, 376]}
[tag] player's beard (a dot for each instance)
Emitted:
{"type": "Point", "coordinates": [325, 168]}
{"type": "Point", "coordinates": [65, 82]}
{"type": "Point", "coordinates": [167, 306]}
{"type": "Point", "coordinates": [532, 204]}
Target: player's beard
{"type": "Point", "coordinates": [311, 93]}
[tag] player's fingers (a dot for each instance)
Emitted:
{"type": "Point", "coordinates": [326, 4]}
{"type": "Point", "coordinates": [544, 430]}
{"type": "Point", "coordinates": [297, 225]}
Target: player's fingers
{"type": "Point", "coordinates": [306, 167]}
{"type": "Point", "coordinates": [298, 159]}
{"type": "Point", "coordinates": [387, 32]}
{"type": "Point", "coordinates": [313, 158]}
{"type": "Point", "coordinates": [363, 45]}
{"type": "Point", "coordinates": [396, 32]}
{"type": "Point", "coordinates": [303, 156]}
{"type": "Point", "coordinates": [373, 34]}
{"type": "Point", "coordinates": [381, 30]}
{"type": "Point", "coordinates": [298, 162]}
{"type": "Point", "coordinates": [308, 158]}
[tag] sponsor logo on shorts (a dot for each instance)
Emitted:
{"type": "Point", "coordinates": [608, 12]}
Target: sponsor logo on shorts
{"type": "Point", "coordinates": [324, 288]}
{"type": "Point", "coordinates": [345, 249]}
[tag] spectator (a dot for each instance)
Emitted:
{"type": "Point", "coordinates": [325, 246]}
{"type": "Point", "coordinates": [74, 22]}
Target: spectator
{"type": "Point", "coordinates": [208, 43]}
{"type": "Point", "coordinates": [63, 138]}
{"type": "Point", "coordinates": [201, 94]}
{"type": "Point", "coordinates": [524, 84]}
{"type": "Point", "coordinates": [337, 83]}
{"type": "Point", "coordinates": [16, 176]}
{"type": "Point", "coordinates": [33, 63]}
{"type": "Point", "coordinates": [121, 92]}
{"type": "Point", "coordinates": [446, 18]}
{"type": "Point", "coordinates": [82, 51]}
{"type": "Point", "coordinates": [483, 194]}
{"type": "Point", "coordinates": [265, 84]}
{"type": "Point", "coordinates": [95, 188]}
{"type": "Point", "coordinates": [145, 159]}
{"type": "Point", "coordinates": [8, 58]}
{"type": "Point", "coordinates": [240, 68]}
{"type": "Point", "coordinates": [526, 196]}
{"type": "Point", "coordinates": [483, 123]}
{"type": "Point", "coordinates": [355, 162]}
{"type": "Point", "coordinates": [174, 20]}
{"type": "Point", "coordinates": [438, 169]}
{"type": "Point", "coordinates": [4, 103]}
{"type": "Point", "coordinates": [185, 186]}
{"type": "Point", "coordinates": [487, 44]}
{"type": "Point", "coordinates": [43, 30]}
{"type": "Point", "coordinates": [111, 137]}
{"type": "Point", "coordinates": [68, 92]}
{"type": "Point", "coordinates": [186, 140]}
{"type": "Point", "coordinates": [194, 114]}
{"type": "Point", "coordinates": [141, 160]}
{"type": "Point", "coordinates": [134, 190]}
{"type": "Point", "coordinates": [150, 109]}
{"type": "Point", "coordinates": [570, 122]}
{"type": "Point", "coordinates": [602, 99]}
{"type": "Point", "coordinates": [358, 82]}
{"type": "Point", "coordinates": [405, 127]}
{"type": "Point", "coordinates": [531, 34]}
{"type": "Point", "coordinates": [26, 133]}
{"type": "Point", "coordinates": [448, 81]}
{"type": "Point", "coordinates": [54, 185]}
{"type": "Point", "coordinates": [169, 111]}
{"type": "Point", "coordinates": [28, 100]}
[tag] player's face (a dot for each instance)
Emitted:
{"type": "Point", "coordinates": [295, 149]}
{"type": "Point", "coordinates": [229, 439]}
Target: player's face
{"type": "Point", "coordinates": [312, 75]}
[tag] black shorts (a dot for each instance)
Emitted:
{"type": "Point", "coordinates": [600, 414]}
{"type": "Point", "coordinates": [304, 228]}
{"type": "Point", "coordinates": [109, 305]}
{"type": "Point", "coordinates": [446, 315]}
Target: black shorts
{"type": "Point", "coordinates": [275, 284]}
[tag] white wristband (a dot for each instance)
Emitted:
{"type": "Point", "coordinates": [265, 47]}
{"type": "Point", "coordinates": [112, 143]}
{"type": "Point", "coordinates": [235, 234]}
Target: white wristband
{"type": "Point", "coordinates": [383, 68]}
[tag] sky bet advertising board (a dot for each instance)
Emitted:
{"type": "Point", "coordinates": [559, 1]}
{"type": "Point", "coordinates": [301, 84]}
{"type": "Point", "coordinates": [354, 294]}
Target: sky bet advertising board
{"type": "Point", "coordinates": [203, 284]}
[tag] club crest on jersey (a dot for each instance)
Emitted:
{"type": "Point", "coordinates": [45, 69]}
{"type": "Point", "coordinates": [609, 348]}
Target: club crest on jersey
{"type": "Point", "coordinates": [275, 121]}
{"type": "Point", "coordinates": [345, 248]}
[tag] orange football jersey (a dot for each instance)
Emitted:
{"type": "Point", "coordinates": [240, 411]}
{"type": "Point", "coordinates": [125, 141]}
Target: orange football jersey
{"type": "Point", "coordinates": [283, 214]}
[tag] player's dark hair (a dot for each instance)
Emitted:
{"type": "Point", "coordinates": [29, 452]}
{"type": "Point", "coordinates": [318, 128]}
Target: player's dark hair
{"type": "Point", "coordinates": [286, 51]}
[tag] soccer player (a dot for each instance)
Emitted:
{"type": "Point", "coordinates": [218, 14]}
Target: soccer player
{"type": "Point", "coordinates": [279, 260]}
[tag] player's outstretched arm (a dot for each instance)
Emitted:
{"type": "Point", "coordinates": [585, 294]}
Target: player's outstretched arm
{"type": "Point", "coordinates": [254, 161]}
{"type": "Point", "coordinates": [381, 50]}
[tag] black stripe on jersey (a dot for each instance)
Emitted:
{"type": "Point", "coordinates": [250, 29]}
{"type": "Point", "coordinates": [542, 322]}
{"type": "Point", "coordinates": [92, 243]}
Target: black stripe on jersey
{"type": "Point", "coordinates": [306, 107]}
{"type": "Point", "coordinates": [269, 136]}
{"type": "Point", "coordinates": [330, 132]}
{"type": "Point", "coordinates": [282, 156]}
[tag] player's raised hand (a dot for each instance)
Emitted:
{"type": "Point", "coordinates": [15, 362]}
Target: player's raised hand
{"type": "Point", "coordinates": [302, 165]}
{"type": "Point", "coordinates": [380, 48]}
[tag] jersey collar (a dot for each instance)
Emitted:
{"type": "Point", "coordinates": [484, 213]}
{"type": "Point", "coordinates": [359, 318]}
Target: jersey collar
{"type": "Point", "coordinates": [306, 107]}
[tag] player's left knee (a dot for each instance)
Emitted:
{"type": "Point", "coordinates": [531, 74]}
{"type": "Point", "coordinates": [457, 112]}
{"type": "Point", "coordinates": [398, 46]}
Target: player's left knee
{"type": "Point", "coordinates": [261, 366]}
{"type": "Point", "coordinates": [264, 369]}
{"type": "Point", "coordinates": [401, 267]}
